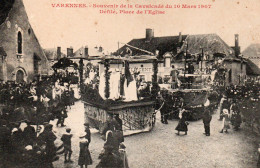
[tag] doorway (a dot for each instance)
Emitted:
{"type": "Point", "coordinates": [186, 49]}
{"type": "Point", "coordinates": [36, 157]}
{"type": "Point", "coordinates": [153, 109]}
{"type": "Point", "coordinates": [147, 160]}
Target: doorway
{"type": "Point", "coordinates": [19, 76]}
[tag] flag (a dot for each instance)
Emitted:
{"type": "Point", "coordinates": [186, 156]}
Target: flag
{"type": "Point", "coordinates": [128, 76]}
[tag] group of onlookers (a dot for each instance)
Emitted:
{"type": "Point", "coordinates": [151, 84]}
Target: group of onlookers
{"type": "Point", "coordinates": [113, 153]}
{"type": "Point", "coordinates": [27, 146]}
{"type": "Point", "coordinates": [35, 104]}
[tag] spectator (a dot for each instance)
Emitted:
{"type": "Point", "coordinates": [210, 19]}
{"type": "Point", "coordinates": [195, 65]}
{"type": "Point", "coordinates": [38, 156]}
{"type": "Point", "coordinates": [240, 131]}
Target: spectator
{"type": "Point", "coordinates": [226, 120]}
{"type": "Point", "coordinates": [84, 154]}
{"type": "Point", "coordinates": [206, 121]}
{"type": "Point", "coordinates": [183, 124]}
{"type": "Point", "coordinates": [66, 139]}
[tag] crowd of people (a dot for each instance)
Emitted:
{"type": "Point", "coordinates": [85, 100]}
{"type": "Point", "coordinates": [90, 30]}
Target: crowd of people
{"type": "Point", "coordinates": [42, 100]}
{"type": "Point", "coordinates": [23, 108]}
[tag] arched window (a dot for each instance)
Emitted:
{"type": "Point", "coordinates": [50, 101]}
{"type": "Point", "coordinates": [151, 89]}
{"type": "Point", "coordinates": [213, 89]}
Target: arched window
{"type": "Point", "coordinates": [19, 40]}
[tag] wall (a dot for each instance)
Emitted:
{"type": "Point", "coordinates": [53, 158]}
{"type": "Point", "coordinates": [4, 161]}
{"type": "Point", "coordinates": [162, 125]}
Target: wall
{"type": "Point", "coordinates": [18, 21]}
{"type": "Point", "coordinates": [238, 75]}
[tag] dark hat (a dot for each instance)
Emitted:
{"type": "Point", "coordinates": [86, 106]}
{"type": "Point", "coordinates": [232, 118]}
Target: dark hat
{"type": "Point", "coordinates": [68, 129]}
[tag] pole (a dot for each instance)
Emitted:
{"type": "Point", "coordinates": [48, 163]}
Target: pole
{"type": "Point", "coordinates": [202, 56]}
{"type": "Point", "coordinates": [185, 60]}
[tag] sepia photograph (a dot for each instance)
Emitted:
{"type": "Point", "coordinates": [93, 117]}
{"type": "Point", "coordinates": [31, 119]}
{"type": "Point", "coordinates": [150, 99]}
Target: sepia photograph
{"type": "Point", "coordinates": [129, 84]}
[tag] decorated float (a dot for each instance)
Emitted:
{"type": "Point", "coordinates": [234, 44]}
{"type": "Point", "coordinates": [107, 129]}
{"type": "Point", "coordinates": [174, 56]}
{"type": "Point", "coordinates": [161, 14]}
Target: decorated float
{"type": "Point", "coordinates": [189, 91]}
{"type": "Point", "coordinates": [116, 94]}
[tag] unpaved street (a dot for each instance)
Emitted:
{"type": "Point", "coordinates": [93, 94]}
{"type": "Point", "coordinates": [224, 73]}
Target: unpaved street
{"type": "Point", "coordinates": [162, 148]}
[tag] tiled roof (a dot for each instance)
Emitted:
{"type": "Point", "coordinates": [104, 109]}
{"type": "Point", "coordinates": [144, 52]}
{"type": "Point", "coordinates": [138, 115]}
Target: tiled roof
{"type": "Point", "coordinates": [163, 44]}
{"type": "Point", "coordinates": [211, 44]}
{"type": "Point", "coordinates": [252, 68]}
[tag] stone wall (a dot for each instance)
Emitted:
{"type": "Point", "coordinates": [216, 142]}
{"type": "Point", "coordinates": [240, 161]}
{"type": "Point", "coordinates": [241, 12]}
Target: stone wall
{"type": "Point", "coordinates": [17, 21]}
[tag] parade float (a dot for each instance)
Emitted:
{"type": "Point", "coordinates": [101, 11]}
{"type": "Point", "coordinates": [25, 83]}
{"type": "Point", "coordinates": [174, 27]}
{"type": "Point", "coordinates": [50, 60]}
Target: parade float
{"type": "Point", "coordinates": [116, 94]}
{"type": "Point", "coordinates": [187, 90]}
{"type": "Point", "coordinates": [67, 72]}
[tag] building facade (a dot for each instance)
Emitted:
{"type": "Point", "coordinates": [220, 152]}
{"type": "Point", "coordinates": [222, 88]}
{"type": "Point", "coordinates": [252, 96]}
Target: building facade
{"type": "Point", "coordinates": [203, 51]}
{"type": "Point", "coordinates": [22, 58]}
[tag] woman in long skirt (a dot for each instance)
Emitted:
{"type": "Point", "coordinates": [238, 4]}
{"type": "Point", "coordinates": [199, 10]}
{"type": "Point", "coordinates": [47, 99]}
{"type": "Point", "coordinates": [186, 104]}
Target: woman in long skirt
{"type": "Point", "coordinates": [84, 154]}
{"type": "Point", "coordinates": [183, 124]}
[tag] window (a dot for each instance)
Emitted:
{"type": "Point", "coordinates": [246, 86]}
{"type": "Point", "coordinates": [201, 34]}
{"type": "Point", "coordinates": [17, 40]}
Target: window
{"type": "Point", "coordinates": [19, 41]}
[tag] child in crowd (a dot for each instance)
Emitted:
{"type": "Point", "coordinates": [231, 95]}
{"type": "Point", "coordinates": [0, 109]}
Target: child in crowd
{"type": "Point", "coordinates": [66, 139]}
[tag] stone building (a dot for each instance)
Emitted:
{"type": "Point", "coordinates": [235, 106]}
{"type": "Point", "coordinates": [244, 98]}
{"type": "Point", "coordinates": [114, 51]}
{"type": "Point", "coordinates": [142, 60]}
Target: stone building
{"type": "Point", "coordinates": [203, 51]}
{"type": "Point", "coordinates": [21, 55]}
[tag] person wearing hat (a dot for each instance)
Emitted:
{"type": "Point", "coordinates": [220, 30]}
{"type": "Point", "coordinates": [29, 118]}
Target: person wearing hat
{"type": "Point", "coordinates": [84, 153]}
{"type": "Point", "coordinates": [109, 157]}
{"type": "Point", "coordinates": [88, 133]}
{"type": "Point", "coordinates": [226, 120]}
{"type": "Point", "coordinates": [66, 139]}
{"type": "Point", "coordinates": [183, 124]}
{"type": "Point", "coordinates": [206, 121]}
{"type": "Point", "coordinates": [47, 137]}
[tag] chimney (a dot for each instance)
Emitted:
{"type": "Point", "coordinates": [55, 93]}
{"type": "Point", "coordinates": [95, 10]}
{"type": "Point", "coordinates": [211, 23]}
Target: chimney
{"type": "Point", "coordinates": [58, 53]}
{"type": "Point", "coordinates": [86, 51]}
{"type": "Point", "coordinates": [149, 35]}
{"type": "Point", "coordinates": [180, 37]}
{"type": "Point", "coordinates": [100, 49]}
{"type": "Point", "coordinates": [70, 52]}
{"type": "Point", "coordinates": [237, 47]}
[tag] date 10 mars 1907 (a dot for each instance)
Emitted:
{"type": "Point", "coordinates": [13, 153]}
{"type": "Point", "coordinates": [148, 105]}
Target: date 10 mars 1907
{"type": "Point", "coordinates": [192, 6]}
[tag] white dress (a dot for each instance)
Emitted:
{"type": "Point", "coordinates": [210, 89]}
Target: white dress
{"type": "Point", "coordinates": [101, 87]}
{"type": "Point", "coordinates": [114, 85]}
{"type": "Point", "coordinates": [130, 91]}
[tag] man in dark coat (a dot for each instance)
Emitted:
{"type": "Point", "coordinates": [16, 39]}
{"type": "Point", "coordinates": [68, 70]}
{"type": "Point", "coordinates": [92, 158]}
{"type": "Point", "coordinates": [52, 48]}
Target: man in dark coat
{"type": "Point", "coordinates": [118, 128]}
{"type": "Point", "coordinates": [47, 137]}
{"type": "Point", "coordinates": [206, 121]}
{"type": "Point", "coordinates": [162, 107]}
{"type": "Point", "coordinates": [29, 134]}
{"type": "Point", "coordinates": [88, 133]}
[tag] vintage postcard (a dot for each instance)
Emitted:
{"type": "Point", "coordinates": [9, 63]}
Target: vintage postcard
{"type": "Point", "coordinates": [129, 83]}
